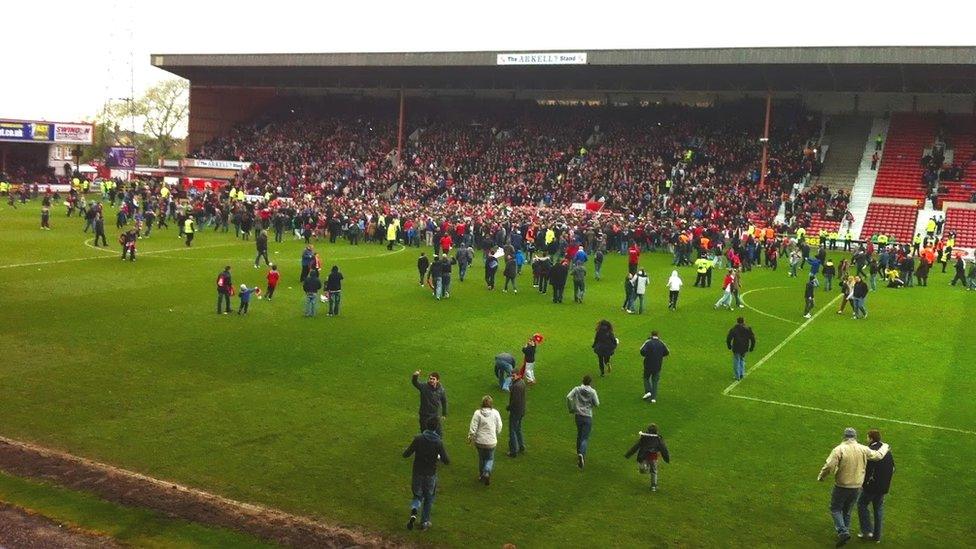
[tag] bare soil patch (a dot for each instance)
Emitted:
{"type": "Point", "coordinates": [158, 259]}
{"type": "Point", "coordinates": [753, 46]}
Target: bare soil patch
{"type": "Point", "coordinates": [134, 489]}
{"type": "Point", "coordinates": [20, 528]}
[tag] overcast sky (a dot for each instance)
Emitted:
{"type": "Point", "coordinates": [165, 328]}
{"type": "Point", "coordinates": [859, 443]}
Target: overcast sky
{"type": "Point", "coordinates": [62, 60]}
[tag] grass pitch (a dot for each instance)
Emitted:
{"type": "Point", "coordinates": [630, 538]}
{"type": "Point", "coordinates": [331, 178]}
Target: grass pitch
{"type": "Point", "coordinates": [128, 363]}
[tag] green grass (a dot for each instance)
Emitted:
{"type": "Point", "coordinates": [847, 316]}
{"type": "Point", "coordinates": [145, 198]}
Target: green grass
{"type": "Point", "coordinates": [128, 364]}
{"type": "Point", "coordinates": [132, 526]}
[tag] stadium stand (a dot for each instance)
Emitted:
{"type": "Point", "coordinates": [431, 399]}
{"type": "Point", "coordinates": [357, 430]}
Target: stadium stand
{"type": "Point", "coordinates": [901, 171]}
{"type": "Point", "coordinates": [892, 219]}
{"type": "Point", "coordinates": [962, 222]}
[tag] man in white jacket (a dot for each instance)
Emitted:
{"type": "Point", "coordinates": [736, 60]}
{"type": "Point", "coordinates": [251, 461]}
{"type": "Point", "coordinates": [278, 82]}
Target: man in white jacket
{"type": "Point", "coordinates": [486, 425]}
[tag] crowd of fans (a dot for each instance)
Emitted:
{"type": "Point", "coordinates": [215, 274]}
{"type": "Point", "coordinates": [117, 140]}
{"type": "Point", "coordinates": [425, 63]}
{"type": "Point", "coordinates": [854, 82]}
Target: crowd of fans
{"type": "Point", "coordinates": [653, 168]}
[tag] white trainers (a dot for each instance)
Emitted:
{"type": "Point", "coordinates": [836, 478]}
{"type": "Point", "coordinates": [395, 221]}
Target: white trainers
{"type": "Point", "coordinates": [646, 396]}
{"type": "Point", "coordinates": [807, 316]}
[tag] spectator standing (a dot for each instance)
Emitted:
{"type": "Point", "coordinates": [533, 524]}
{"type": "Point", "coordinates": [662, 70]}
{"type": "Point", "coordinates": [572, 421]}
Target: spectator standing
{"type": "Point", "coordinates": [581, 401]}
{"type": "Point", "coordinates": [808, 294]}
{"type": "Point", "coordinates": [189, 229]}
{"type": "Point", "coordinates": [847, 462]}
{"type": "Point", "coordinates": [740, 340]}
{"type": "Point", "coordinates": [640, 289]}
{"type": "Point", "coordinates": [654, 350]}
{"type": "Point", "coordinates": [308, 257]}
{"type": "Point", "coordinates": [578, 272]}
{"type": "Point", "coordinates": [311, 286]}
{"type": "Point", "coordinates": [423, 263]}
{"type": "Point", "coordinates": [261, 243]}
{"type": "Point", "coordinates": [333, 287]}
{"type": "Point", "coordinates": [483, 431]}
{"type": "Point", "coordinates": [273, 277]}
{"type": "Point", "coordinates": [673, 284]}
{"type": "Point", "coordinates": [224, 285]}
{"type": "Point", "coordinates": [877, 481]}
{"type": "Point", "coordinates": [516, 411]}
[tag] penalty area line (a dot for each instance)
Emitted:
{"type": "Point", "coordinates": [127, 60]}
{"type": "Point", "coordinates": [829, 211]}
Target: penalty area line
{"type": "Point", "coordinates": [853, 414]}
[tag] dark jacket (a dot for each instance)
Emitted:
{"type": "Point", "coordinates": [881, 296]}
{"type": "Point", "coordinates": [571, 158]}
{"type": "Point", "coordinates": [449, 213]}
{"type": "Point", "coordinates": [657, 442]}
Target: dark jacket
{"type": "Point", "coordinates": [422, 264]}
{"type": "Point", "coordinates": [334, 282]}
{"type": "Point", "coordinates": [648, 443]}
{"type": "Point", "coordinates": [227, 282]}
{"type": "Point", "coordinates": [261, 241]}
{"type": "Point", "coordinates": [426, 448]}
{"type": "Point", "coordinates": [741, 339]}
{"type": "Point", "coordinates": [604, 343]}
{"type": "Point", "coordinates": [558, 275]}
{"type": "Point", "coordinates": [433, 402]}
{"type": "Point", "coordinates": [810, 289]}
{"type": "Point", "coordinates": [654, 350]}
{"type": "Point", "coordinates": [860, 289]}
{"type": "Point", "coordinates": [516, 398]}
{"type": "Point", "coordinates": [877, 476]}
{"type": "Point", "coordinates": [312, 284]}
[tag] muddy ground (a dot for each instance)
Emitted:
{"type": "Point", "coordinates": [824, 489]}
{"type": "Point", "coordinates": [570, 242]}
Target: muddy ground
{"type": "Point", "coordinates": [133, 489]}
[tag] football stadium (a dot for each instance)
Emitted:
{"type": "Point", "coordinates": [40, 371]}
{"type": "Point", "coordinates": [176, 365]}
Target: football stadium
{"type": "Point", "coordinates": [340, 320]}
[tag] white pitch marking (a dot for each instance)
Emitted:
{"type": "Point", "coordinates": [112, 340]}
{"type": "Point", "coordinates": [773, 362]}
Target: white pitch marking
{"type": "Point", "coordinates": [853, 414]}
{"type": "Point", "coordinates": [782, 344]}
{"type": "Point", "coordinates": [750, 307]}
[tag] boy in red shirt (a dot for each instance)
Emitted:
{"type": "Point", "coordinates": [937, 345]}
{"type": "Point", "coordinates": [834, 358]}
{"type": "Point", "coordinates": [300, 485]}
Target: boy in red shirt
{"type": "Point", "coordinates": [273, 276]}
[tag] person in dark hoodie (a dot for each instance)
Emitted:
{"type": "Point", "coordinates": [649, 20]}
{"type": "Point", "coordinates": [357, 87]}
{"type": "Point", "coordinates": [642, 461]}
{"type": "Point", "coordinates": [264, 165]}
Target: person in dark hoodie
{"type": "Point", "coordinates": [581, 401]}
{"type": "Point", "coordinates": [261, 243]}
{"type": "Point", "coordinates": [557, 279]}
{"type": "Point", "coordinates": [433, 400]}
{"type": "Point", "coordinates": [308, 259]}
{"type": "Point", "coordinates": [311, 285]}
{"type": "Point", "coordinates": [654, 350]}
{"type": "Point", "coordinates": [740, 340]}
{"type": "Point", "coordinates": [423, 263]}
{"type": "Point", "coordinates": [427, 448]}
{"type": "Point", "coordinates": [516, 411]}
{"type": "Point", "coordinates": [877, 481]}
{"type": "Point", "coordinates": [333, 285]}
{"type": "Point", "coordinates": [648, 447]}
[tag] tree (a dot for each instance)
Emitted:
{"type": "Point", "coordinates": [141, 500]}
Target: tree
{"type": "Point", "coordinates": [164, 110]}
{"type": "Point", "coordinates": [161, 113]}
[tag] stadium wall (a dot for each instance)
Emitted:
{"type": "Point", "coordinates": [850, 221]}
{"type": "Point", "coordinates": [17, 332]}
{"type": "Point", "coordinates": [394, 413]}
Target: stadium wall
{"type": "Point", "coordinates": [214, 110]}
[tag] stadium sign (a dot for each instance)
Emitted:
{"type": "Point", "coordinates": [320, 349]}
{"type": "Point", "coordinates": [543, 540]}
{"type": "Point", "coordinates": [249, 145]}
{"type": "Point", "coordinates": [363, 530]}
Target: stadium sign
{"type": "Point", "coordinates": [80, 134]}
{"type": "Point", "coordinates": [18, 130]}
{"type": "Point", "coordinates": [578, 58]}
{"type": "Point", "coordinates": [215, 164]}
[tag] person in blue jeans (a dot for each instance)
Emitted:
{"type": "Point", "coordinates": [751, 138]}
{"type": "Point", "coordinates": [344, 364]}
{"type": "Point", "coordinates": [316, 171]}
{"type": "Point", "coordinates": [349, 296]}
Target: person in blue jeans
{"type": "Point", "coordinates": [740, 340]}
{"type": "Point", "coordinates": [427, 449]}
{"type": "Point", "coordinates": [483, 431]}
{"type": "Point", "coordinates": [311, 286]}
{"type": "Point", "coordinates": [333, 285]}
{"type": "Point", "coordinates": [504, 366]}
{"type": "Point", "coordinates": [877, 481]}
{"type": "Point", "coordinates": [516, 411]}
{"type": "Point", "coordinates": [581, 401]}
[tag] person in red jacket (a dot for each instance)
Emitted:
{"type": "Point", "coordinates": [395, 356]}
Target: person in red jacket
{"type": "Point", "coordinates": [446, 243]}
{"type": "Point", "coordinates": [633, 257]}
{"type": "Point", "coordinates": [273, 276]}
